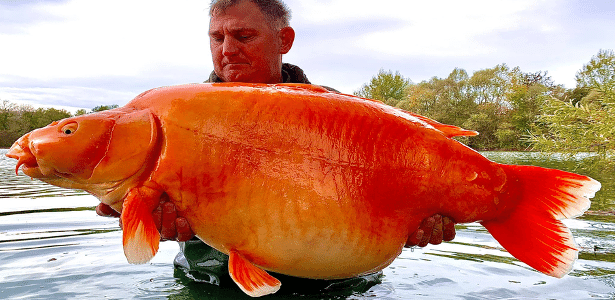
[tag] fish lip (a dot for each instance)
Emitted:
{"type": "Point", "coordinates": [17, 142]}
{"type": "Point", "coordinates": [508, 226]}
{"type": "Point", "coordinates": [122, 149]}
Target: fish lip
{"type": "Point", "coordinates": [17, 152]}
{"type": "Point", "coordinates": [32, 171]}
{"type": "Point", "coordinates": [28, 163]}
{"type": "Point", "coordinates": [35, 171]}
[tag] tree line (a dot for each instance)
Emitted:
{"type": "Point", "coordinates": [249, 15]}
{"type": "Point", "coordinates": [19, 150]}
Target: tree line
{"type": "Point", "coordinates": [512, 109]}
{"type": "Point", "coordinates": [501, 103]}
{"type": "Point", "coordinates": [17, 120]}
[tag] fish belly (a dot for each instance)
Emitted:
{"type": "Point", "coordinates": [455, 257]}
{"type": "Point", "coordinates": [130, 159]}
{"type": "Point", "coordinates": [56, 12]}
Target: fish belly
{"type": "Point", "coordinates": [292, 230]}
{"type": "Point", "coordinates": [304, 185]}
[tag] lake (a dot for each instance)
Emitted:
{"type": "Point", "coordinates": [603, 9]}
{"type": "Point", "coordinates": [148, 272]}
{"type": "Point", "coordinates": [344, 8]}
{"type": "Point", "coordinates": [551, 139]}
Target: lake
{"type": "Point", "coordinates": [54, 246]}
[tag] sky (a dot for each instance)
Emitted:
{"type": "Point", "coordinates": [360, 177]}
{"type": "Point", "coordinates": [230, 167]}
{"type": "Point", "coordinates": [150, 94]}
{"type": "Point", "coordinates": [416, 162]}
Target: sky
{"type": "Point", "coordinates": [74, 54]}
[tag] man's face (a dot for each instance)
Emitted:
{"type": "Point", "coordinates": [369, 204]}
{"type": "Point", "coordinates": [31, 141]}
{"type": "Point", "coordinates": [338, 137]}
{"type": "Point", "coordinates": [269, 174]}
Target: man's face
{"type": "Point", "coordinates": [244, 47]}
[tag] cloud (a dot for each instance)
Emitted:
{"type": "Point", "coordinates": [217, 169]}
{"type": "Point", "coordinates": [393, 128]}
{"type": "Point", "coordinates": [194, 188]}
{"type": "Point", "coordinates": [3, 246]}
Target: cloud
{"type": "Point", "coordinates": [88, 92]}
{"type": "Point", "coordinates": [18, 16]}
{"type": "Point", "coordinates": [87, 53]}
{"type": "Point", "coordinates": [95, 52]}
{"type": "Point", "coordinates": [431, 38]}
{"type": "Point", "coordinates": [98, 38]}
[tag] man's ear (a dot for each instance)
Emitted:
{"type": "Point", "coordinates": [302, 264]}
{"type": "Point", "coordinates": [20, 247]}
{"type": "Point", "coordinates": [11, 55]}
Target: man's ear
{"type": "Point", "coordinates": [287, 37]}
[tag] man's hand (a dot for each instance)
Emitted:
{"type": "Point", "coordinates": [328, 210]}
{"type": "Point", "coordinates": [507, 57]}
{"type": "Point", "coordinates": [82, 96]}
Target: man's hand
{"type": "Point", "coordinates": [433, 230]}
{"type": "Point", "coordinates": [169, 224]}
{"type": "Point", "coordinates": [106, 211]}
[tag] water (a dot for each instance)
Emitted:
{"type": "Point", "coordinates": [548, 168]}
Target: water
{"type": "Point", "coordinates": [54, 246]}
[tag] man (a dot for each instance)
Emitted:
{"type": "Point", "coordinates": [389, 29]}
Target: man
{"type": "Point", "coordinates": [247, 41]}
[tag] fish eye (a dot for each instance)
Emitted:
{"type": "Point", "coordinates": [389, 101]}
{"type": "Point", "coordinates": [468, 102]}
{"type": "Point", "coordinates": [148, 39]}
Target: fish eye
{"type": "Point", "coordinates": [69, 128]}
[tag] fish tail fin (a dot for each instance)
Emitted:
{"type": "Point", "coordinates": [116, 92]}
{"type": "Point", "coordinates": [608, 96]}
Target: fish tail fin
{"type": "Point", "coordinates": [140, 234]}
{"type": "Point", "coordinates": [532, 231]}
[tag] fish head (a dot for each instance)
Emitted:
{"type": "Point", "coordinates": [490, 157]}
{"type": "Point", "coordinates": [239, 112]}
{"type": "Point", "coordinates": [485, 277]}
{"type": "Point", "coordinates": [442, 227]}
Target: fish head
{"type": "Point", "coordinates": [86, 150]}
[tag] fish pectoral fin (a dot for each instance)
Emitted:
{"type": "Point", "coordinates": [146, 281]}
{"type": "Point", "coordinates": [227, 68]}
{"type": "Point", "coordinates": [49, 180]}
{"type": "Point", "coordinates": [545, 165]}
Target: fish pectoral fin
{"type": "Point", "coordinates": [253, 280]}
{"type": "Point", "coordinates": [140, 235]}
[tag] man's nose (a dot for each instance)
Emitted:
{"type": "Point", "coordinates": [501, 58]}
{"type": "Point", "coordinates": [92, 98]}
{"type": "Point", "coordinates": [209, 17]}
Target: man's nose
{"type": "Point", "coordinates": [229, 47]}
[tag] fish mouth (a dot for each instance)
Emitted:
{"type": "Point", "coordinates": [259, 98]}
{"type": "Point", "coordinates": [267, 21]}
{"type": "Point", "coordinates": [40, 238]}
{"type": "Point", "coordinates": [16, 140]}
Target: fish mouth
{"type": "Point", "coordinates": [23, 157]}
{"type": "Point", "coordinates": [27, 161]}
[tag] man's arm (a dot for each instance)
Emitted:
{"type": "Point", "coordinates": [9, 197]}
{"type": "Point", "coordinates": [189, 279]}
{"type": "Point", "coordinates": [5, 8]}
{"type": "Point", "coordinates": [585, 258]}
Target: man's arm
{"type": "Point", "coordinates": [433, 230]}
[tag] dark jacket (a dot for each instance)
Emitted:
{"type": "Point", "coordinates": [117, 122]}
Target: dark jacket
{"type": "Point", "coordinates": [290, 74]}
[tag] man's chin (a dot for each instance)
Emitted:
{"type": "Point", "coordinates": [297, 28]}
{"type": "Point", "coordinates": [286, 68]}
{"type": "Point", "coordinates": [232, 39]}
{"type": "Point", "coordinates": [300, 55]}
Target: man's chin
{"type": "Point", "coordinates": [236, 76]}
{"type": "Point", "coordinates": [251, 78]}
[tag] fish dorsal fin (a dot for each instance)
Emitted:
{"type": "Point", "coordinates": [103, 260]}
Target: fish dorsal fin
{"type": "Point", "coordinates": [253, 280]}
{"type": "Point", "coordinates": [447, 130]}
{"type": "Point", "coordinates": [304, 86]}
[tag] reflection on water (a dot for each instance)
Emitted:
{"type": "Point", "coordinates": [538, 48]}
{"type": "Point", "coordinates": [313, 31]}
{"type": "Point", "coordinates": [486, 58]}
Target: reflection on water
{"type": "Point", "coordinates": [22, 186]}
{"type": "Point", "coordinates": [54, 246]}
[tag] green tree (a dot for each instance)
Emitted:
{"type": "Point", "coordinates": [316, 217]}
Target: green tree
{"type": "Point", "coordinates": [40, 117]}
{"type": "Point", "coordinates": [588, 124]}
{"type": "Point", "coordinates": [7, 119]}
{"type": "Point", "coordinates": [448, 100]}
{"type": "Point", "coordinates": [491, 85]}
{"type": "Point", "coordinates": [16, 121]}
{"type": "Point", "coordinates": [386, 86]}
{"type": "Point", "coordinates": [502, 104]}
{"type": "Point", "coordinates": [7, 110]}
{"type": "Point", "coordinates": [104, 107]}
{"type": "Point", "coordinates": [81, 112]}
{"type": "Point", "coordinates": [527, 96]}
{"type": "Point", "coordinates": [599, 75]}
{"type": "Point", "coordinates": [474, 102]}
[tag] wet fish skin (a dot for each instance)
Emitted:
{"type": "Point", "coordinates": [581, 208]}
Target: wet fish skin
{"type": "Point", "coordinates": [298, 180]}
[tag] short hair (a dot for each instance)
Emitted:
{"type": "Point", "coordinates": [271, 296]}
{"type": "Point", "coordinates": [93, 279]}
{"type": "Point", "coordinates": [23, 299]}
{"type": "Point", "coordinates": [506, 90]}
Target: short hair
{"type": "Point", "coordinates": [275, 11]}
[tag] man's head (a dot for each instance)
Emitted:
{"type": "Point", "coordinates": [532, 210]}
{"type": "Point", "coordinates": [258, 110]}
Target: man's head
{"type": "Point", "coordinates": [248, 38]}
{"type": "Point", "coordinates": [276, 12]}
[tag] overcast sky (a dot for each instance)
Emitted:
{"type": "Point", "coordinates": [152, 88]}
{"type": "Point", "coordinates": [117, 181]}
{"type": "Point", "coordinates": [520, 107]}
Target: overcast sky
{"type": "Point", "coordinates": [84, 53]}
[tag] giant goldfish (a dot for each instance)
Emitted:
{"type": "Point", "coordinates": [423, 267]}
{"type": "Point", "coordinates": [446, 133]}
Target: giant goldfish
{"type": "Point", "coordinates": [298, 180]}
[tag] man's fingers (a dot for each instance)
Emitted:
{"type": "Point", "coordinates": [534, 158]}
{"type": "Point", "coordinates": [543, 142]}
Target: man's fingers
{"type": "Point", "coordinates": [433, 230]}
{"type": "Point", "coordinates": [448, 229]}
{"type": "Point", "coordinates": [436, 235]}
{"type": "Point", "coordinates": [427, 227]}
{"type": "Point", "coordinates": [106, 211]}
{"type": "Point", "coordinates": [414, 238]}
{"type": "Point", "coordinates": [157, 216]}
{"type": "Point", "coordinates": [184, 232]}
{"type": "Point", "coordinates": [169, 214]}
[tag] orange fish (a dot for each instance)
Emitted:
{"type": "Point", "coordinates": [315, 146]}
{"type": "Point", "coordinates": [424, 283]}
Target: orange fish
{"type": "Point", "coordinates": [298, 180]}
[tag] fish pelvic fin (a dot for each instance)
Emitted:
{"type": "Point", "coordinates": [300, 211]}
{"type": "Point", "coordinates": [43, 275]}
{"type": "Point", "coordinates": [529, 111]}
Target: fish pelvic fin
{"type": "Point", "coordinates": [251, 279]}
{"type": "Point", "coordinates": [140, 234]}
{"type": "Point", "coordinates": [533, 232]}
